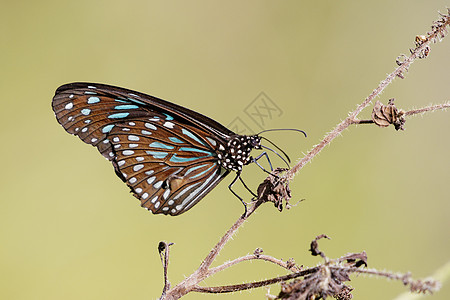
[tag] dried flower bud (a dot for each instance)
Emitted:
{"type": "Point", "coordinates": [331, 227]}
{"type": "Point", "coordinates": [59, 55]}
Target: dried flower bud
{"type": "Point", "coordinates": [258, 252]}
{"type": "Point", "coordinates": [383, 115]}
{"type": "Point", "coordinates": [275, 189]}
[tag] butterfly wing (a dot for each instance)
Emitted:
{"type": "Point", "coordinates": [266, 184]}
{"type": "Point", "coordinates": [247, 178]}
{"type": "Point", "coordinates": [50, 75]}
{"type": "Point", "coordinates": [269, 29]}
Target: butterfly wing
{"type": "Point", "coordinates": [167, 159]}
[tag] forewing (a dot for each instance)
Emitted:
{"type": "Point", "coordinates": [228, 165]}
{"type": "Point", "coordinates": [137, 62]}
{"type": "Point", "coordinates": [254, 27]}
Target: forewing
{"type": "Point", "coordinates": [168, 161]}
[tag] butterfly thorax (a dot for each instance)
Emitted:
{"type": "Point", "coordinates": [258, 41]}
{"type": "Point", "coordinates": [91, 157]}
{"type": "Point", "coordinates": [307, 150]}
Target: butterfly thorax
{"type": "Point", "coordinates": [236, 153]}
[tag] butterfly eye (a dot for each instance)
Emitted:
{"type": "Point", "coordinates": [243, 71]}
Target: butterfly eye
{"type": "Point", "coordinates": [256, 142]}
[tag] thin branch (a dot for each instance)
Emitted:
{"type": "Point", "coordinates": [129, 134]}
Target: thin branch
{"type": "Point", "coordinates": [420, 286]}
{"type": "Point", "coordinates": [411, 112]}
{"type": "Point", "coordinates": [437, 33]}
{"type": "Point", "coordinates": [163, 249]}
{"type": "Point", "coordinates": [267, 258]}
{"type": "Point", "coordinates": [215, 251]}
{"type": "Point", "coordinates": [190, 283]}
{"type": "Point", "coordinates": [427, 108]}
{"type": "Point", "coordinates": [252, 285]}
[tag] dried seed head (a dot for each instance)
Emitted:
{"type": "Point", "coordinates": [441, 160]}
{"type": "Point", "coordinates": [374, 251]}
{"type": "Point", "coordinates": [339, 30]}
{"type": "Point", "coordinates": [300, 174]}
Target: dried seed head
{"type": "Point", "coordinates": [383, 115]}
{"type": "Point", "coordinates": [275, 189]}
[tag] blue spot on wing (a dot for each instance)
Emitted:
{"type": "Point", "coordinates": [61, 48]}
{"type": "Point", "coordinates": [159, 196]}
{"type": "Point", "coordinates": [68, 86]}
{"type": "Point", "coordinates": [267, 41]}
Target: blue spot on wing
{"type": "Point", "coordinates": [93, 100]}
{"type": "Point", "coordinates": [118, 115]}
{"type": "Point", "coordinates": [175, 140]}
{"type": "Point", "coordinates": [121, 100]}
{"type": "Point", "coordinates": [194, 168]}
{"type": "Point", "coordinates": [175, 158]}
{"type": "Point", "coordinates": [86, 111]}
{"type": "Point", "coordinates": [128, 106]}
{"type": "Point", "coordinates": [191, 135]}
{"type": "Point", "coordinates": [107, 128]}
{"type": "Point", "coordinates": [161, 145]}
{"type": "Point", "coordinates": [202, 173]}
{"type": "Point", "coordinates": [157, 154]}
{"type": "Point", "coordinates": [136, 101]}
{"type": "Point", "coordinates": [169, 118]}
{"type": "Point", "coordinates": [195, 150]}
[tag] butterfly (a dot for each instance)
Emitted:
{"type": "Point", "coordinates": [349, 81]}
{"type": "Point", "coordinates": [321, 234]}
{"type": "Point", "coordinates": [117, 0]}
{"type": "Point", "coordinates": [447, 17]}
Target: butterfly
{"type": "Point", "coordinates": [169, 156]}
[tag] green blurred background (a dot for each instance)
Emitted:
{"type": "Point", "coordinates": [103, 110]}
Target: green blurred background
{"type": "Point", "coordinates": [69, 228]}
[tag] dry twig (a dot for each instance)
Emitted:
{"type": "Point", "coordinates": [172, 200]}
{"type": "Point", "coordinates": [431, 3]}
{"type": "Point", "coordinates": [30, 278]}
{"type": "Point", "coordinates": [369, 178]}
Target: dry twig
{"type": "Point", "coordinates": [328, 278]}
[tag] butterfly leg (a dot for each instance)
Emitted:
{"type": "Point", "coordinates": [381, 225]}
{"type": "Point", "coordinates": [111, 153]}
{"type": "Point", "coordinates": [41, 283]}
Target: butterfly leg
{"type": "Point", "coordinates": [238, 175]}
{"type": "Point", "coordinates": [248, 189]}
{"type": "Point", "coordinates": [255, 160]}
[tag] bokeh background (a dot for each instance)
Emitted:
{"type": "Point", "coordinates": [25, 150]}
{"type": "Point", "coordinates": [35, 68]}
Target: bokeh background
{"type": "Point", "coordinates": [69, 229]}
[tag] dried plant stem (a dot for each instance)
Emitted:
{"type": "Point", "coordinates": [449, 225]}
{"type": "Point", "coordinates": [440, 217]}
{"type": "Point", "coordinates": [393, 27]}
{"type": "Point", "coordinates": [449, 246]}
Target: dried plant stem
{"type": "Point", "coordinates": [352, 116]}
{"type": "Point", "coordinates": [411, 112]}
{"type": "Point", "coordinates": [421, 286]}
{"type": "Point", "coordinates": [191, 283]}
{"type": "Point", "coordinates": [428, 108]}
{"type": "Point", "coordinates": [163, 249]}
{"type": "Point", "coordinates": [252, 285]}
{"type": "Point", "coordinates": [267, 258]}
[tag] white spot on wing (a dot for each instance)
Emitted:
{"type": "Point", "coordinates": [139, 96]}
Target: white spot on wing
{"type": "Point", "coordinates": [69, 105]}
{"type": "Point", "coordinates": [166, 193]}
{"type": "Point", "coordinates": [150, 126]}
{"type": "Point", "coordinates": [213, 142]}
{"type": "Point", "coordinates": [169, 125]}
{"type": "Point", "coordinates": [158, 184]}
{"type": "Point", "coordinates": [133, 138]}
{"type": "Point", "coordinates": [138, 167]}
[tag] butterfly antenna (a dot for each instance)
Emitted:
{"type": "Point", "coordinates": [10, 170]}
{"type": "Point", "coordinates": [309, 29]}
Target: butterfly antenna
{"type": "Point", "coordinates": [284, 153]}
{"type": "Point", "coordinates": [282, 158]}
{"type": "Point", "coordinates": [281, 129]}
